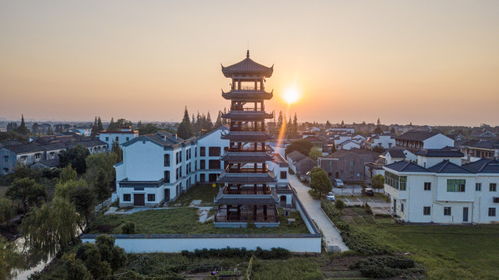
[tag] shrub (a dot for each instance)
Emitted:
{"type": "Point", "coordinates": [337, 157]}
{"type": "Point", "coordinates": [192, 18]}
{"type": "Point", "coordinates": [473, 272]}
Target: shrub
{"type": "Point", "coordinates": [274, 253]}
{"type": "Point", "coordinates": [128, 228]}
{"type": "Point", "coordinates": [384, 266]}
{"type": "Point", "coordinates": [339, 204]}
{"type": "Point", "coordinates": [314, 194]}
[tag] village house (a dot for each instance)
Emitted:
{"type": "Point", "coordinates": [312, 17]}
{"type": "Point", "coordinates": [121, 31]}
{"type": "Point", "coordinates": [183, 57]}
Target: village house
{"type": "Point", "coordinates": [119, 136]}
{"type": "Point", "coordinates": [415, 140]}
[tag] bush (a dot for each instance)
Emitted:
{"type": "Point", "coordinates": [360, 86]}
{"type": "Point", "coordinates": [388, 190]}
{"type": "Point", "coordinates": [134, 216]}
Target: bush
{"type": "Point", "coordinates": [384, 266]}
{"type": "Point", "coordinates": [128, 228]}
{"type": "Point", "coordinates": [274, 253]}
{"type": "Point", "coordinates": [339, 204]}
{"type": "Point", "coordinates": [314, 194]}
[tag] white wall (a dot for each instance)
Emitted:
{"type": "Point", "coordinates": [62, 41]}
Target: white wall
{"type": "Point", "coordinates": [176, 245]}
{"type": "Point", "coordinates": [438, 141]}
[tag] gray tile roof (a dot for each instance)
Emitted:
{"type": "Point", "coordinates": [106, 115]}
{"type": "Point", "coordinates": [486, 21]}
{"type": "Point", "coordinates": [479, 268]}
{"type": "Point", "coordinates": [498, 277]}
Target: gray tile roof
{"type": "Point", "coordinates": [396, 153]}
{"type": "Point", "coordinates": [483, 166]}
{"type": "Point", "coordinates": [25, 148]}
{"type": "Point", "coordinates": [247, 66]}
{"type": "Point", "coordinates": [296, 156]}
{"type": "Point", "coordinates": [440, 153]}
{"type": "Point", "coordinates": [414, 135]}
{"type": "Point", "coordinates": [406, 166]}
{"type": "Point", "coordinates": [446, 166]}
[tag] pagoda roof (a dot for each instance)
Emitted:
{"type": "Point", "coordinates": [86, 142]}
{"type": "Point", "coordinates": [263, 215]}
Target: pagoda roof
{"type": "Point", "coordinates": [249, 95]}
{"type": "Point", "coordinates": [247, 157]}
{"type": "Point", "coordinates": [247, 66]}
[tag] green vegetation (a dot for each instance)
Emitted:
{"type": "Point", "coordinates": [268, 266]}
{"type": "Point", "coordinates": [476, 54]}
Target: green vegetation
{"type": "Point", "coordinates": [319, 181]}
{"type": "Point", "coordinates": [293, 268]}
{"type": "Point", "coordinates": [446, 251]}
{"type": "Point", "coordinates": [204, 192]}
{"type": "Point", "coordinates": [182, 220]}
{"type": "Point", "coordinates": [303, 146]}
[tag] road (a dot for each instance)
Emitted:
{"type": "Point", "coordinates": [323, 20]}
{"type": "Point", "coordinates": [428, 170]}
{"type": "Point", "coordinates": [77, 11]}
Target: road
{"type": "Point", "coordinates": [313, 207]}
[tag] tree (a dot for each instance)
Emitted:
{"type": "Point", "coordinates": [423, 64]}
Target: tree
{"type": "Point", "coordinates": [116, 149]}
{"type": "Point", "coordinates": [83, 198]}
{"type": "Point", "coordinates": [303, 146]}
{"type": "Point", "coordinates": [51, 227]}
{"type": "Point", "coordinates": [22, 129]}
{"type": "Point", "coordinates": [7, 210]}
{"type": "Point", "coordinates": [218, 122]}
{"type": "Point", "coordinates": [115, 256]}
{"type": "Point", "coordinates": [319, 181]}
{"type": "Point", "coordinates": [9, 258]}
{"type": "Point", "coordinates": [64, 189]}
{"type": "Point", "coordinates": [378, 130]}
{"type": "Point", "coordinates": [90, 255]}
{"type": "Point", "coordinates": [76, 157]}
{"type": "Point", "coordinates": [101, 186]}
{"type": "Point", "coordinates": [378, 181]}
{"type": "Point", "coordinates": [67, 174]}
{"type": "Point", "coordinates": [75, 268]}
{"type": "Point", "coordinates": [27, 191]}
{"type": "Point", "coordinates": [315, 153]}
{"type": "Point", "coordinates": [148, 128]}
{"type": "Point", "coordinates": [184, 129]}
{"type": "Point", "coordinates": [100, 127]}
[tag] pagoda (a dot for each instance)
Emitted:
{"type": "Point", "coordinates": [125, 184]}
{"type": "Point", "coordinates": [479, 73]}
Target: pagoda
{"type": "Point", "coordinates": [247, 193]}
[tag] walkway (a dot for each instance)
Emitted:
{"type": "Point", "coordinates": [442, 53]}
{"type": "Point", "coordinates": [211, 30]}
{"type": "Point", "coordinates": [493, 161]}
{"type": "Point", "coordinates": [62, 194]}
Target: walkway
{"type": "Point", "coordinates": [313, 207]}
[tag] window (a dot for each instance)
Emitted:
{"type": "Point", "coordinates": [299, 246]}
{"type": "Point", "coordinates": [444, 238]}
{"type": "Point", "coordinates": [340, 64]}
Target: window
{"type": "Point", "coordinates": [447, 211]}
{"type": "Point", "coordinates": [398, 182]}
{"type": "Point", "coordinates": [117, 139]}
{"type": "Point", "coordinates": [427, 186]}
{"type": "Point", "coordinates": [456, 185]}
{"type": "Point", "coordinates": [492, 212]}
{"type": "Point", "coordinates": [127, 197]}
{"type": "Point", "coordinates": [128, 139]}
{"type": "Point", "coordinates": [214, 164]}
{"type": "Point", "coordinates": [402, 207]}
{"type": "Point", "coordinates": [214, 151]}
{"type": "Point", "coordinates": [426, 210]}
{"type": "Point", "coordinates": [202, 164]}
{"type": "Point", "coordinates": [167, 176]}
{"type": "Point", "coordinates": [6, 158]}
{"type": "Point", "coordinates": [151, 197]}
{"type": "Point", "coordinates": [478, 187]}
{"type": "Point", "coordinates": [166, 160]}
{"type": "Point", "coordinates": [202, 178]}
{"type": "Point", "coordinates": [284, 174]}
{"type": "Point", "coordinates": [493, 187]}
{"type": "Point", "coordinates": [107, 139]}
{"type": "Point", "coordinates": [202, 151]}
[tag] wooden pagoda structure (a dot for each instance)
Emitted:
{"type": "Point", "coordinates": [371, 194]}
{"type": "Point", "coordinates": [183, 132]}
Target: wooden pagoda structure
{"type": "Point", "coordinates": [248, 192]}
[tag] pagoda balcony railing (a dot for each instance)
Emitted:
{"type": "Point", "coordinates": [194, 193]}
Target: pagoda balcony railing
{"type": "Point", "coordinates": [246, 170]}
{"type": "Point", "coordinates": [246, 129]}
{"type": "Point", "coordinates": [247, 114]}
{"type": "Point", "coordinates": [247, 150]}
{"type": "Point", "coordinates": [246, 136]}
{"type": "Point", "coordinates": [247, 94]}
{"type": "Point", "coordinates": [247, 190]}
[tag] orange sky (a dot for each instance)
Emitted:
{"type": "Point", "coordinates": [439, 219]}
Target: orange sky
{"type": "Point", "coordinates": [426, 62]}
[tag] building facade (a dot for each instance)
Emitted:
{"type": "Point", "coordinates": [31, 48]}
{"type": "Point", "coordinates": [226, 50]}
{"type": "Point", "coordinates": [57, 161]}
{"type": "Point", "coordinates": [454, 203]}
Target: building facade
{"type": "Point", "coordinates": [417, 140]}
{"type": "Point", "coordinates": [120, 136]}
{"type": "Point", "coordinates": [444, 191]}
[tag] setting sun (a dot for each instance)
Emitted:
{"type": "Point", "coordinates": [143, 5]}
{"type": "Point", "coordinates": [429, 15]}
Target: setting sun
{"type": "Point", "coordinates": [291, 95]}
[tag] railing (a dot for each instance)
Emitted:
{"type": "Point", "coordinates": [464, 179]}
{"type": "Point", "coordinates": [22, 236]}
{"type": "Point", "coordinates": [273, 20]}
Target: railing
{"type": "Point", "coordinates": [249, 190]}
{"type": "Point", "coordinates": [246, 170]}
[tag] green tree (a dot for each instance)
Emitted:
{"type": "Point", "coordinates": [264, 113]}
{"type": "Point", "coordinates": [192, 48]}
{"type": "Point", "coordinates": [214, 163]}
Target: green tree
{"type": "Point", "coordinates": [319, 181]}
{"type": "Point", "coordinates": [83, 198]}
{"type": "Point", "coordinates": [315, 153]}
{"type": "Point", "coordinates": [303, 146]}
{"type": "Point", "coordinates": [100, 174]}
{"type": "Point", "coordinates": [116, 149]}
{"type": "Point", "coordinates": [378, 181]}
{"type": "Point", "coordinates": [91, 257]}
{"type": "Point", "coordinates": [115, 256]}
{"type": "Point", "coordinates": [7, 210]}
{"type": "Point", "coordinates": [75, 268]}
{"type": "Point", "coordinates": [51, 227]}
{"type": "Point", "coordinates": [218, 122]}
{"type": "Point", "coordinates": [148, 128]}
{"type": "Point", "coordinates": [184, 129]}
{"type": "Point", "coordinates": [22, 129]}
{"type": "Point", "coordinates": [67, 174]}
{"type": "Point", "coordinates": [76, 157]}
{"type": "Point", "coordinates": [64, 189]}
{"type": "Point", "coordinates": [27, 191]}
{"type": "Point", "coordinates": [9, 258]}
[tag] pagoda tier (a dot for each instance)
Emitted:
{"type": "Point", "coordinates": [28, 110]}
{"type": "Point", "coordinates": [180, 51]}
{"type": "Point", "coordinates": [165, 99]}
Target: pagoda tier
{"type": "Point", "coordinates": [247, 177]}
{"type": "Point", "coordinates": [248, 193]}
{"type": "Point", "coordinates": [246, 157]}
{"type": "Point", "coordinates": [247, 95]}
{"type": "Point", "coordinates": [247, 136]}
{"type": "Point", "coordinates": [242, 115]}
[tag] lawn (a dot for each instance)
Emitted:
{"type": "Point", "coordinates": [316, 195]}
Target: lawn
{"type": "Point", "coordinates": [183, 220]}
{"type": "Point", "coordinates": [205, 193]}
{"type": "Point", "coordinates": [447, 252]}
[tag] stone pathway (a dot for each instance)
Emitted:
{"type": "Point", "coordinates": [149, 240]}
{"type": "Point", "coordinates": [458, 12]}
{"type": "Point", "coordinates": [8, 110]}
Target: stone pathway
{"type": "Point", "coordinates": [331, 234]}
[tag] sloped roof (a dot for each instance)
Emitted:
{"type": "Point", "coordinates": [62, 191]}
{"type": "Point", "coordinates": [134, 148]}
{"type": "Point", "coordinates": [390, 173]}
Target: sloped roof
{"type": "Point", "coordinates": [415, 135]}
{"type": "Point", "coordinates": [484, 144]}
{"type": "Point", "coordinates": [483, 166]}
{"type": "Point", "coordinates": [439, 153]}
{"type": "Point", "coordinates": [295, 156]}
{"type": "Point", "coordinates": [247, 67]}
{"type": "Point", "coordinates": [446, 166]}
{"type": "Point", "coordinates": [25, 148]}
{"type": "Point", "coordinates": [406, 166]}
{"type": "Point", "coordinates": [396, 153]}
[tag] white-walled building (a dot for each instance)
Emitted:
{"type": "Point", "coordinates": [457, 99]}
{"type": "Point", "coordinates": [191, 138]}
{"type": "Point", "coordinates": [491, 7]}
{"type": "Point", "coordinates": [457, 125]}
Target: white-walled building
{"type": "Point", "coordinates": [444, 191]}
{"type": "Point", "coordinates": [383, 141]}
{"type": "Point", "coordinates": [120, 136]}
{"type": "Point", "coordinates": [417, 140]}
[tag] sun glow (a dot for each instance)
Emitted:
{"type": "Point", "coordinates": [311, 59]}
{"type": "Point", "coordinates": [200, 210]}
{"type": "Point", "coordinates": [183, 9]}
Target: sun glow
{"type": "Point", "coordinates": [291, 95]}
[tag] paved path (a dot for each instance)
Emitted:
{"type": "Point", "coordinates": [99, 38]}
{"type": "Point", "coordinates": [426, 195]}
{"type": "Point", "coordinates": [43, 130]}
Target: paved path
{"type": "Point", "coordinates": [331, 234]}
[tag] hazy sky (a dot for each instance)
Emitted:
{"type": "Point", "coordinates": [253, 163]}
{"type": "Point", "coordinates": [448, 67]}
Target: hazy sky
{"type": "Point", "coordinates": [432, 62]}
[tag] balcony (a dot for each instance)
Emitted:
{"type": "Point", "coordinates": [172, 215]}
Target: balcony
{"type": "Point", "coordinates": [247, 178]}
{"type": "Point", "coordinates": [247, 95]}
{"type": "Point", "coordinates": [247, 157]}
{"type": "Point", "coordinates": [247, 114]}
{"type": "Point", "coordinates": [247, 136]}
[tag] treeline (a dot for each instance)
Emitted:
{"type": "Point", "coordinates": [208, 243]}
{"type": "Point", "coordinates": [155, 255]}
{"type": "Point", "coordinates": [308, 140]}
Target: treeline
{"type": "Point", "coordinates": [197, 125]}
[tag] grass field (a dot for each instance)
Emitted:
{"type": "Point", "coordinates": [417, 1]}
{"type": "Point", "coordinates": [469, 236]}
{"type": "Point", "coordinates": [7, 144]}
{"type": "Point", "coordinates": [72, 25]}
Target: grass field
{"type": "Point", "coordinates": [205, 193]}
{"type": "Point", "coordinates": [447, 252]}
{"type": "Point", "coordinates": [183, 220]}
